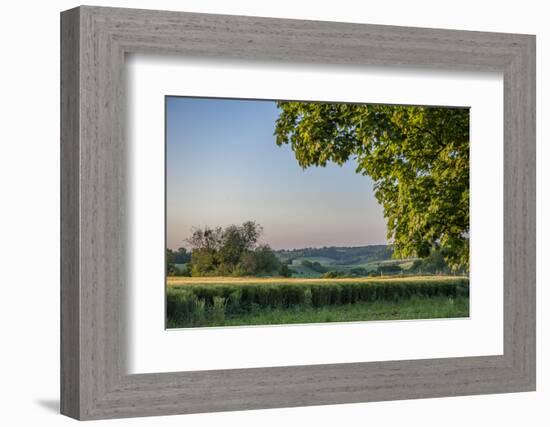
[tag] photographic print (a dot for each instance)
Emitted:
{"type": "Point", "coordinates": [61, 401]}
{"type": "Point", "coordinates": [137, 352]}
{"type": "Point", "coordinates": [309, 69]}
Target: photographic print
{"type": "Point", "coordinates": [297, 212]}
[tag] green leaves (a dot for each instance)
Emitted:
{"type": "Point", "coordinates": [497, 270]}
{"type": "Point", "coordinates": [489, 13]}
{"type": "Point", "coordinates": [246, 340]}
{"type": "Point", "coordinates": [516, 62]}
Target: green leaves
{"type": "Point", "coordinates": [231, 251]}
{"type": "Point", "coordinates": [417, 156]}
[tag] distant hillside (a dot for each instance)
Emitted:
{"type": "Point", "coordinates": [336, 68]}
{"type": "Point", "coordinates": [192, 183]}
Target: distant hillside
{"type": "Point", "coordinates": [340, 260]}
{"type": "Point", "coordinates": [339, 255]}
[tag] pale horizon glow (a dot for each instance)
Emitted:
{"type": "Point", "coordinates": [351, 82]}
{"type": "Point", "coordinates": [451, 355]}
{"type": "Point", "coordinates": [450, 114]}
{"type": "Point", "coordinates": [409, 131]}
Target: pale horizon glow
{"type": "Point", "coordinates": [223, 167]}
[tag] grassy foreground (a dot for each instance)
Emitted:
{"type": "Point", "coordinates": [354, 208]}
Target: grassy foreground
{"type": "Point", "coordinates": [196, 302]}
{"type": "Point", "coordinates": [414, 308]}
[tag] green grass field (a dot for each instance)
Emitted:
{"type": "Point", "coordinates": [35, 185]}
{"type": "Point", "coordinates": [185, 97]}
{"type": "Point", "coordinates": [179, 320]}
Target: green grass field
{"type": "Point", "coordinates": [414, 308]}
{"type": "Point", "coordinates": [215, 301]}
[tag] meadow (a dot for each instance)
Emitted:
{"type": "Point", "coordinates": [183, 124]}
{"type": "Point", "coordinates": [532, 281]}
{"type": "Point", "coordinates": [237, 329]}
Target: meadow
{"type": "Point", "coordinates": [233, 301]}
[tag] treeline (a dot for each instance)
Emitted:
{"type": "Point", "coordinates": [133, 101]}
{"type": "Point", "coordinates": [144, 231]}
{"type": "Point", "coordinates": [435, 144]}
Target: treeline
{"type": "Point", "coordinates": [232, 251]}
{"type": "Point", "coordinates": [381, 270]}
{"type": "Point", "coordinates": [173, 258]}
{"type": "Point", "coordinates": [432, 264]}
{"type": "Point", "coordinates": [236, 251]}
{"type": "Point", "coordinates": [181, 256]}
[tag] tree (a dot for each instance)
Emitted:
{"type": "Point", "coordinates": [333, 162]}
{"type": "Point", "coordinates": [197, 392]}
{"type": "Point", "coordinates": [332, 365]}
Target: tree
{"type": "Point", "coordinates": [181, 256]}
{"type": "Point", "coordinates": [205, 238]}
{"type": "Point", "coordinates": [251, 232]}
{"type": "Point", "coordinates": [266, 260]}
{"type": "Point", "coordinates": [236, 240]}
{"type": "Point", "coordinates": [285, 271]}
{"type": "Point", "coordinates": [170, 256]}
{"type": "Point", "coordinates": [388, 269]}
{"type": "Point", "coordinates": [315, 266]}
{"type": "Point", "coordinates": [434, 263]}
{"type": "Point", "coordinates": [233, 250]}
{"type": "Point", "coordinates": [247, 265]}
{"type": "Point", "coordinates": [204, 262]}
{"type": "Point", "coordinates": [418, 158]}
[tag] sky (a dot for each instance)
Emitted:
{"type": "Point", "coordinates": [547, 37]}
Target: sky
{"type": "Point", "coordinates": [223, 167]}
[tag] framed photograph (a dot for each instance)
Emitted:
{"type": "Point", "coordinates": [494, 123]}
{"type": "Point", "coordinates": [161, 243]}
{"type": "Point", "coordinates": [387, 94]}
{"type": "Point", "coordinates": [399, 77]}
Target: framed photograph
{"type": "Point", "coordinates": [261, 213]}
{"type": "Point", "coordinates": [254, 236]}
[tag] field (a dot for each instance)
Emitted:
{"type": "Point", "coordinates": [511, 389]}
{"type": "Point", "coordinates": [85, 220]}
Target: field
{"type": "Point", "coordinates": [330, 265]}
{"type": "Point", "coordinates": [227, 301]}
{"type": "Point", "coordinates": [342, 259]}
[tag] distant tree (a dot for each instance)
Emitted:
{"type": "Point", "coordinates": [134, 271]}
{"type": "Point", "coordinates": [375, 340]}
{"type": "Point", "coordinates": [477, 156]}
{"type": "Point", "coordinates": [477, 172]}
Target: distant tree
{"type": "Point", "coordinates": [205, 238]}
{"type": "Point", "coordinates": [389, 269]}
{"type": "Point", "coordinates": [181, 256]}
{"type": "Point", "coordinates": [233, 250]}
{"type": "Point", "coordinates": [251, 232]}
{"type": "Point", "coordinates": [435, 264]}
{"type": "Point", "coordinates": [232, 245]}
{"type": "Point", "coordinates": [174, 261]}
{"type": "Point", "coordinates": [247, 266]}
{"type": "Point", "coordinates": [285, 271]}
{"type": "Point", "coordinates": [236, 240]}
{"type": "Point", "coordinates": [204, 262]}
{"type": "Point", "coordinates": [170, 261]}
{"type": "Point", "coordinates": [417, 156]}
{"type": "Point", "coordinates": [314, 265]}
{"type": "Point", "coordinates": [359, 271]}
{"type": "Point", "coordinates": [266, 261]}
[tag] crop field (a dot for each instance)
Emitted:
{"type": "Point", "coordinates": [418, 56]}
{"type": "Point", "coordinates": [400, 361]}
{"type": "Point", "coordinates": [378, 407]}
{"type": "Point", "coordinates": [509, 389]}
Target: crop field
{"type": "Point", "coordinates": [178, 281]}
{"type": "Point", "coordinates": [228, 301]}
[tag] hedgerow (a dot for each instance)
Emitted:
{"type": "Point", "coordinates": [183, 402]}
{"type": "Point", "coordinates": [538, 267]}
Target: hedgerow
{"type": "Point", "coordinates": [194, 305]}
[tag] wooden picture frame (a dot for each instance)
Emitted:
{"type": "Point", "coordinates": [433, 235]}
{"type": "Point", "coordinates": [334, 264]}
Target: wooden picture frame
{"type": "Point", "coordinates": [94, 382]}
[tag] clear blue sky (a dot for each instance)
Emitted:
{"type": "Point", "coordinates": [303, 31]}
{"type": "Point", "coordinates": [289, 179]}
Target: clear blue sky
{"type": "Point", "coordinates": [223, 167]}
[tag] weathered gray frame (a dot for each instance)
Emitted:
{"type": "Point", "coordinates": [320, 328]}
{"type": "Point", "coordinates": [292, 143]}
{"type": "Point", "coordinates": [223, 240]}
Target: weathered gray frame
{"type": "Point", "coordinates": [94, 41]}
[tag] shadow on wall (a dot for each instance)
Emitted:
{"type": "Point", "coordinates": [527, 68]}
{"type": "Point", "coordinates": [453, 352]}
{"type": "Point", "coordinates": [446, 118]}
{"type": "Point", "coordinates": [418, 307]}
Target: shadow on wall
{"type": "Point", "coordinates": [51, 405]}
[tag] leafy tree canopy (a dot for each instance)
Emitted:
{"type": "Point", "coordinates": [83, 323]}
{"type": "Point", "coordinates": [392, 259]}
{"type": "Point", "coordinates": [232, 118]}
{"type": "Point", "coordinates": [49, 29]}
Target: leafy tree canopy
{"type": "Point", "coordinates": [418, 158]}
{"type": "Point", "coordinates": [233, 250]}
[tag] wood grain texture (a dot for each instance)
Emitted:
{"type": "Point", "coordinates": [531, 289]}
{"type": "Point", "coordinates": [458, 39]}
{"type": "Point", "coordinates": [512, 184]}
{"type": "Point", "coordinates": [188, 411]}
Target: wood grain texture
{"type": "Point", "coordinates": [94, 232]}
{"type": "Point", "coordinates": [70, 221]}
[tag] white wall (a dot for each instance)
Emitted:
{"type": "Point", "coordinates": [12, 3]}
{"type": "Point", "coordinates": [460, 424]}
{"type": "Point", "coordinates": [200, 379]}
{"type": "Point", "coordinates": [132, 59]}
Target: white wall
{"type": "Point", "coordinates": [29, 183]}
